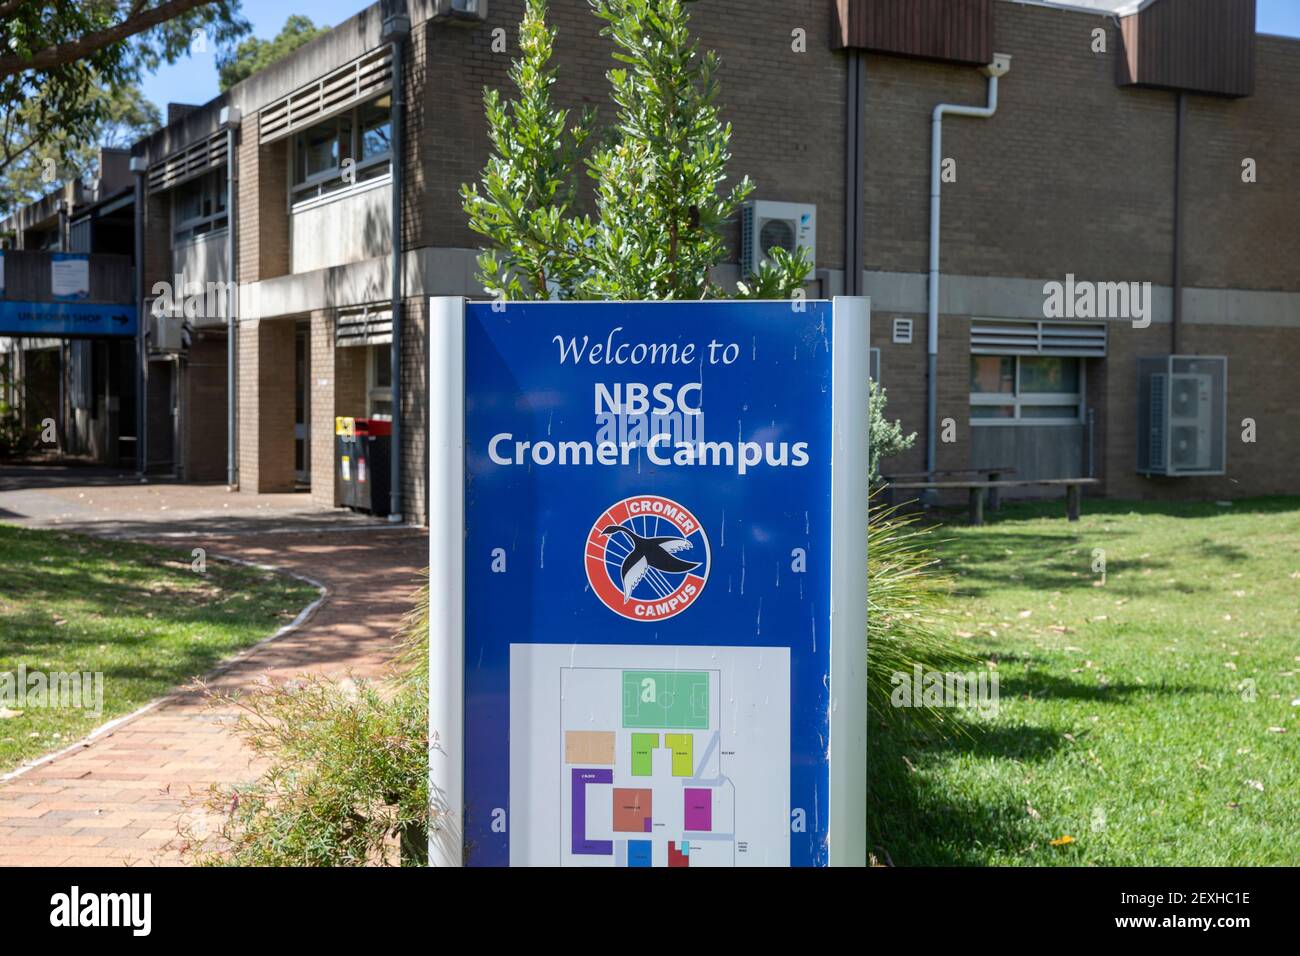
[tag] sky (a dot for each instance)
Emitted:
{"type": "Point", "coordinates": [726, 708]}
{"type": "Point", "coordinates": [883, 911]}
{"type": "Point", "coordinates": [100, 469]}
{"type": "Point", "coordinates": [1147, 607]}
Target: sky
{"type": "Point", "coordinates": [1278, 16]}
{"type": "Point", "coordinates": [194, 79]}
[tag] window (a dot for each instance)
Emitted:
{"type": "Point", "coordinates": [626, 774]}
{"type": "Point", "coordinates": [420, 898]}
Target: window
{"type": "Point", "coordinates": [355, 145]}
{"type": "Point", "coordinates": [379, 382]}
{"type": "Point", "coordinates": [199, 206]}
{"type": "Point", "coordinates": [1036, 389]}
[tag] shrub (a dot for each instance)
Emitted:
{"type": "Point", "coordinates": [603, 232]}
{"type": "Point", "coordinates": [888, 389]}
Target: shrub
{"type": "Point", "coordinates": [347, 783]}
{"type": "Point", "coordinates": [13, 437]}
{"type": "Point", "coordinates": [907, 615]}
{"type": "Point", "coordinates": [887, 438]}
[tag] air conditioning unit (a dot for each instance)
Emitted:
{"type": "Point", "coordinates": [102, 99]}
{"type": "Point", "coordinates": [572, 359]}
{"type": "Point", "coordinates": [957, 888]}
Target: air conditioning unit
{"type": "Point", "coordinates": [1182, 415]}
{"type": "Point", "coordinates": [463, 10]}
{"type": "Point", "coordinates": [766, 225]}
{"type": "Point", "coordinates": [167, 333]}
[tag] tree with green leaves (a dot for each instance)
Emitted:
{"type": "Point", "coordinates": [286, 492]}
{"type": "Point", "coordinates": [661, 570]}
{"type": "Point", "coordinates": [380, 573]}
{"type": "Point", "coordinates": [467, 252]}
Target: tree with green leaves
{"type": "Point", "coordinates": [127, 116]}
{"type": "Point", "coordinates": [887, 437]}
{"type": "Point", "coordinates": [527, 207]}
{"type": "Point", "coordinates": [60, 59]}
{"type": "Point", "coordinates": [661, 202]}
{"type": "Point", "coordinates": [254, 54]}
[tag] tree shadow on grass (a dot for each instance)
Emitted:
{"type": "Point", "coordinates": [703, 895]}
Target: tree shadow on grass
{"type": "Point", "coordinates": [919, 818]}
{"type": "Point", "coordinates": [1044, 686]}
{"type": "Point", "coordinates": [990, 560]}
{"type": "Point", "coordinates": [1013, 511]}
{"type": "Point", "coordinates": [915, 820]}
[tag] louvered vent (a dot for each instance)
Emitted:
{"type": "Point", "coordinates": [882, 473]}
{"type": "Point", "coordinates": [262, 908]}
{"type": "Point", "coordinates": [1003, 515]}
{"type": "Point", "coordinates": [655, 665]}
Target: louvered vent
{"type": "Point", "coordinates": [187, 163]}
{"type": "Point", "coordinates": [368, 325]}
{"type": "Point", "coordinates": [1016, 337]}
{"type": "Point", "coordinates": [363, 78]}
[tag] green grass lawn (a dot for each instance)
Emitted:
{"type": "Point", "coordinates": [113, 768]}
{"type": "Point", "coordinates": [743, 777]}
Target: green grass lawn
{"type": "Point", "coordinates": [138, 615]}
{"type": "Point", "coordinates": [1140, 717]}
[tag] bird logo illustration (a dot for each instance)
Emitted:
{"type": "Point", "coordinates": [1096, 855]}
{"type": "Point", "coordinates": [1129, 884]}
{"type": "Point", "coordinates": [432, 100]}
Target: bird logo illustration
{"type": "Point", "coordinates": [650, 553]}
{"type": "Point", "coordinates": [647, 558]}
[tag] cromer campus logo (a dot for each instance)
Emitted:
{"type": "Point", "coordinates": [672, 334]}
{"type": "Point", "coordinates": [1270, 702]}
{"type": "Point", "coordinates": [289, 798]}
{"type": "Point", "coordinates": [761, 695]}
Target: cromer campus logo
{"type": "Point", "coordinates": [647, 558]}
{"type": "Point", "coordinates": [76, 909]}
{"type": "Point", "coordinates": [25, 689]}
{"type": "Point", "coordinates": [973, 690]}
{"type": "Point", "coordinates": [1080, 299]}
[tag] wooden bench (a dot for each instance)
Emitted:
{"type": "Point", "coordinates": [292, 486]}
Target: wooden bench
{"type": "Point", "coordinates": [978, 489]}
{"type": "Point", "coordinates": [994, 474]}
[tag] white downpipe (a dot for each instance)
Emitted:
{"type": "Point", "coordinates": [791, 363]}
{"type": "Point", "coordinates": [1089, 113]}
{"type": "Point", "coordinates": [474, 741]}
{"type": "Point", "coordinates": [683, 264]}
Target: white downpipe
{"type": "Point", "coordinates": [999, 67]}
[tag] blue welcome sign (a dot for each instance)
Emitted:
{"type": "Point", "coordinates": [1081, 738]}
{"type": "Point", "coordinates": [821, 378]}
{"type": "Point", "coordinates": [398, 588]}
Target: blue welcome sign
{"type": "Point", "coordinates": [648, 566]}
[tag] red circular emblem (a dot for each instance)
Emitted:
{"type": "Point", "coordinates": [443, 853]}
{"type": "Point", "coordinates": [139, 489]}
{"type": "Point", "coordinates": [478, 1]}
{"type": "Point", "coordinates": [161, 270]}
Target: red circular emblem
{"type": "Point", "coordinates": [647, 558]}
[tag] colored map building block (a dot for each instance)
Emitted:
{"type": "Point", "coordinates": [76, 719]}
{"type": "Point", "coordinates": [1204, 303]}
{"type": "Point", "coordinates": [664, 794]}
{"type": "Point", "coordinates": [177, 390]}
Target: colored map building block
{"type": "Point", "coordinates": [678, 857]}
{"type": "Point", "coordinates": [676, 700]}
{"type": "Point", "coordinates": [698, 809]}
{"type": "Point", "coordinates": [581, 846]}
{"type": "Point", "coordinates": [683, 748]}
{"type": "Point", "coordinates": [639, 853]}
{"type": "Point", "coordinates": [589, 747]}
{"type": "Point", "coordinates": [643, 748]}
{"type": "Point", "coordinates": [632, 810]}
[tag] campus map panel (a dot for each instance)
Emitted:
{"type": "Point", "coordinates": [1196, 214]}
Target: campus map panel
{"type": "Point", "coordinates": [642, 756]}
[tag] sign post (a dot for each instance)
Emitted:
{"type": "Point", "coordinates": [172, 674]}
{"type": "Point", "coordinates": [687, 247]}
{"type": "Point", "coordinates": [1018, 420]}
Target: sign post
{"type": "Point", "coordinates": [648, 606]}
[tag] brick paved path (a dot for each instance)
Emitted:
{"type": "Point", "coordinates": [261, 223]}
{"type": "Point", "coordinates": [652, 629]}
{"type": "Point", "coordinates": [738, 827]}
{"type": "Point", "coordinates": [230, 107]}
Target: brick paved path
{"type": "Point", "coordinates": [119, 800]}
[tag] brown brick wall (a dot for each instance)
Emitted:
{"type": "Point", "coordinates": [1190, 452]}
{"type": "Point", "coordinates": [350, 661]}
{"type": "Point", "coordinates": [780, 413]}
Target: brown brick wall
{"type": "Point", "coordinates": [1073, 175]}
{"type": "Point", "coordinates": [262, 231]}
{"type": "Point", "coordinates": [157, 241]}
{"type": "Point", "coordinates": [324, 382]}
{"type": "Point", "coordinates": [204, 430]}
{"type": "Point", "coordinates": [902, 373]}
{"type": "Point", "coordinates": [338, 389]}
{"type": "Point", "coordinates": [1260, 363]}
{"type": "Point", "coordinates": [787, 108]}
{"type": "Point", "coordinates": [247, 401]}
{"type": "Point", "coordinates": [266, 406]}
{"type": "Point", "coordinates": [1241, 235]}
{"type": "Point", "coordinates": [415, 401]}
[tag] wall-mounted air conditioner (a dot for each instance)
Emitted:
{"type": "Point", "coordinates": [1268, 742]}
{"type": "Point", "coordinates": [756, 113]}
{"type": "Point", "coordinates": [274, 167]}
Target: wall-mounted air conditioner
{"type": "Point", "coordinates": [166, 333]}
{"type": "Point", "coordinates": [766, 225]}
{"type": "Point", "coordinates": [1182, 415]}
{"type": "Point", "coordinates": [463, 10]}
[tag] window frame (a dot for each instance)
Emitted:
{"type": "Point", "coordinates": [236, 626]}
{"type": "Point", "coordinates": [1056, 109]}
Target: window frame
{"type": "Point", "coordinates": [379, 356]}
{"type": "Point", "coordinates": [1017, 399]}
{"type": "Point", "coordinates": [212, 187]}
{"type": "Point", "coordinates": [312, 188]}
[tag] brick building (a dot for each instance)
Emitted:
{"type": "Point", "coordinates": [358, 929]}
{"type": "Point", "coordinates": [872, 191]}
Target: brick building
{"type": "Point", "coordinates": [1133, 141]}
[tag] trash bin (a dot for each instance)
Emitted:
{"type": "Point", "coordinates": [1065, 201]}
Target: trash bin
{"type": "Point", "coordinates": [363, 464]}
